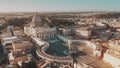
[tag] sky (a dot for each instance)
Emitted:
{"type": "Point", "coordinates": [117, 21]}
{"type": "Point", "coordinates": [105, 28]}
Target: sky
{"type": "Point", "coordinates": [58, 5]}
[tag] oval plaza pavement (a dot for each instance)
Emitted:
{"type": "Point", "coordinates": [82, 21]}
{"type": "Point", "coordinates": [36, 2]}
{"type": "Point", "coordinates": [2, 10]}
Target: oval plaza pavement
{"type": "Point", "coordinates": [43, 46]}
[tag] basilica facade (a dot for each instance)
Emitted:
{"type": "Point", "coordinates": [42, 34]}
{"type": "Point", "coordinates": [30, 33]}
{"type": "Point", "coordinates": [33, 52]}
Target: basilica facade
{"type": "Point", "coordinates": [39, 30]}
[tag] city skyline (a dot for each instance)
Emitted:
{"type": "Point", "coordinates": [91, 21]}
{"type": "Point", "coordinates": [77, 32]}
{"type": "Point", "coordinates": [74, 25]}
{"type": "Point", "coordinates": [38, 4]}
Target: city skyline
{"type": "Point", "coordinates": [58, 5]}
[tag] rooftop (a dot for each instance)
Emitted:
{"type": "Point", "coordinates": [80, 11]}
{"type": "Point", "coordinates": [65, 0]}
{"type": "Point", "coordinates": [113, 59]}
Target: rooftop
{"type": "Point", "coordinates": [114, 53]}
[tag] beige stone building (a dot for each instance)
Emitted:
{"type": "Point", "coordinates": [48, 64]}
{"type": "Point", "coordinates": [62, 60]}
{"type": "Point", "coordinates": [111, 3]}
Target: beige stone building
{"type": "Point", "coordinates": [112, 55]}
{"type": "Point", "coordinates": [83, 33]}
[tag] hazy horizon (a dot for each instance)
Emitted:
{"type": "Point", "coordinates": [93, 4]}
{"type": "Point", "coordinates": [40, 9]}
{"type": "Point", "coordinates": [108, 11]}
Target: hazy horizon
{"type": "Point", "coordinates": [58, 5]}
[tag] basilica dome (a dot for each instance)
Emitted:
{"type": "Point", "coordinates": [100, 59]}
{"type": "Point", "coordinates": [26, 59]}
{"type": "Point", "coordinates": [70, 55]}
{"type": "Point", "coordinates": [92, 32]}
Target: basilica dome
{"type": "Point", "coordinates": [36, 21]}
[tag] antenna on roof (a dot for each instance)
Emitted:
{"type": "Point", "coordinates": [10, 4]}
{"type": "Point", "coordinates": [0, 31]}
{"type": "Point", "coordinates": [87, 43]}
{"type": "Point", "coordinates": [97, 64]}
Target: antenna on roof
{"type": "Point", "coordinates": [36, 13]}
